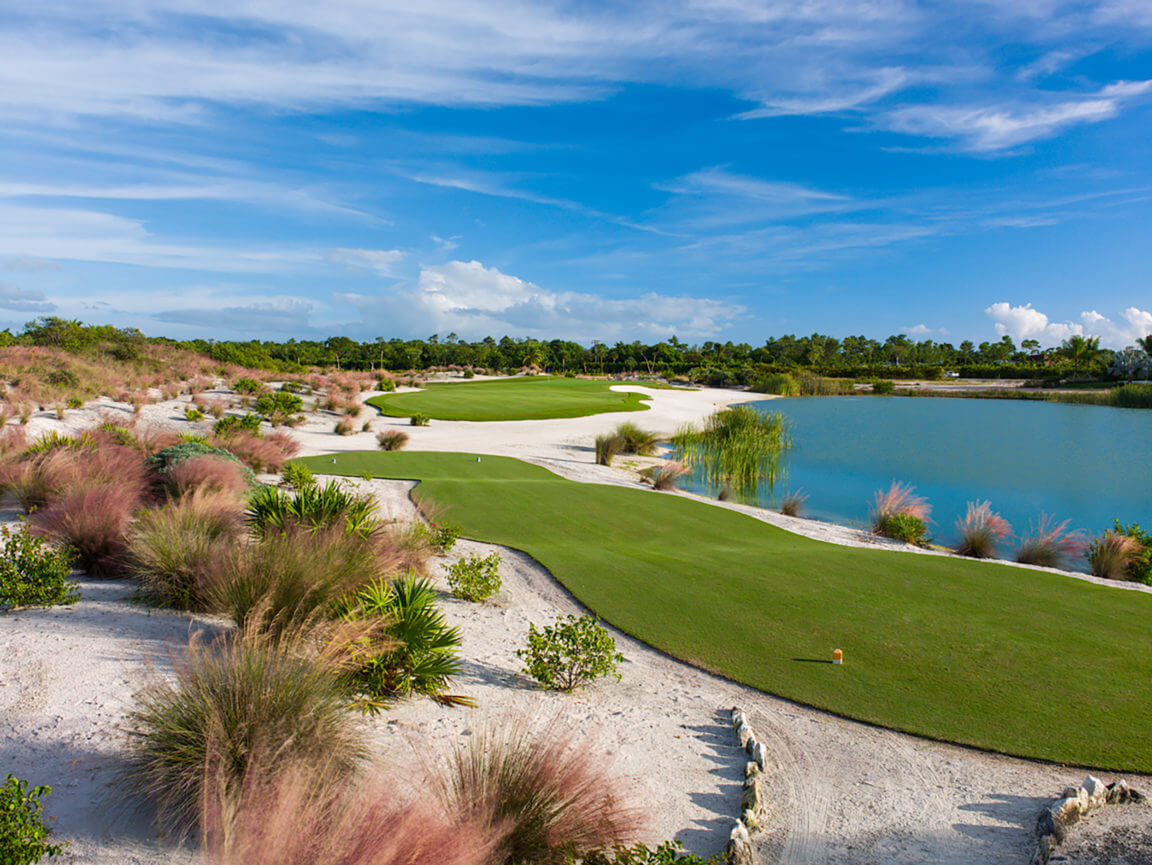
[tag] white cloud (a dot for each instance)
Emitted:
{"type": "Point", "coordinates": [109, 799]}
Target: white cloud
{"type": "Point", "coordinates": [990, 128]}
{"type": "Point", "coordinates": [474, 300]}
{"type": "Point", "coordinates": [30, 264]}
{"type": "Point", "coordinates": [378, 261]}
{"type": "Point", "coordinates": [923, 330]}
{"type": "Point", "coordinates": [1024, 322]}
{"type": "Point", "coordinates": [25, 300]}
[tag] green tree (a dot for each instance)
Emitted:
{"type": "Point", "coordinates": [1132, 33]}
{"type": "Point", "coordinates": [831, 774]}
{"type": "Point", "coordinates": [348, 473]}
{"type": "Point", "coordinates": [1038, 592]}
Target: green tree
{"type": "Point", "coordinates": [1081, 350]}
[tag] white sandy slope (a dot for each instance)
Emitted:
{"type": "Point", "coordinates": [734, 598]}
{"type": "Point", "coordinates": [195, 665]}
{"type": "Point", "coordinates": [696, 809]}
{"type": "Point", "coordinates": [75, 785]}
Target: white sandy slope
{"type": "Point", "coordinates": [841, 791]}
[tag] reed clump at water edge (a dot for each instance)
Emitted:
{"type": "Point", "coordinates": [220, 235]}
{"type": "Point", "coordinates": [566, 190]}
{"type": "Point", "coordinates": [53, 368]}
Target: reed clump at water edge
{"type": "Point", "coordinates": [738, 448]}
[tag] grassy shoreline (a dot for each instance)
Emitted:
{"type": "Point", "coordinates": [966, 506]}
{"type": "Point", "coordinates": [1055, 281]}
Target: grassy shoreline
{"type": "Point", "coordinates": [970, 652]}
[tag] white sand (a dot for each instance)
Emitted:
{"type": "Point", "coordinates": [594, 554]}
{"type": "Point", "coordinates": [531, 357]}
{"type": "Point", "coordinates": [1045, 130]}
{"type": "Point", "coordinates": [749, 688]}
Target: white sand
{"type": "Point", "coordinates": [841, 791]}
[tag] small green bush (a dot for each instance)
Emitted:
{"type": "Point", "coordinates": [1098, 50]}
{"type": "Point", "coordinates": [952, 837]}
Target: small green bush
{"type": "Point", "coordinates": [74, 402]}
{"type": "Point", "coordinates": [475, 578]}
{"type": "Point", "coordinates": [418, 419]}
{"type": "Point", "coordinates": [668, 853]}
{"type": "Point", "coordinates": [23, 835]}
{"type": "Point", "coordinates": [278, 407]}
{"type": "Point", "coordinates": [469, 374]}
{"type": "Point", "coordinates": [570, 653]}
{"type": "Point", "coordinates": [883, 387]}
{"type": "Point", "coordinates": [33, 576]}
{"type": "Point", "coordinates": [386, 385]}
{"type": "Point", "coordinates": [298, 476]}
{"type": "Point", "coordinates": [231, 423]}
{"type": "Point", "coordinates": [442, 538]}
{"type": "Point", "coordinates": [193, 414]}
{"type": "Point", "coordinates": [780, 383]}
{"type": "Point", "coordinates": [904, 527]}
{"type": "Point", "coordinates": [163, 460]}
{"type": "Point", "coordinates": [1140, 568]}
{"type": "Point", "coordinates": [248, 386]}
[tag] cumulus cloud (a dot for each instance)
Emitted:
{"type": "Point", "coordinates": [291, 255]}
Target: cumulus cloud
{"type": "Point", "coordinates": [1025, 322]}
{"type": "Point", "coordinates": [474, 300]}
{"type": "Point", "coordinates": [924, 330]}
{"type": "Point", "coordinates": [24, 300]}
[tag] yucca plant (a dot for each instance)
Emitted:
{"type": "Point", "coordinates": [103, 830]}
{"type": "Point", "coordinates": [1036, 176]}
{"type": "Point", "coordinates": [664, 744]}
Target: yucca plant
{"type": "Point", "coordinates": [424, 659]}
{"type": "Point", "coordinates": [551, 795]}
{"type": "Point", "coordinates": [314, 507]}
{"type": "Point", "coordinates": [981, 531]}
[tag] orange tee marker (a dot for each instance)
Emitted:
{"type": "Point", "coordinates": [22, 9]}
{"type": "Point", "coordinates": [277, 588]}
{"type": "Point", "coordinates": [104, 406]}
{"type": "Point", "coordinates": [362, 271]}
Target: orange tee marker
{"type": "Point", "coordinates": [837, 656]}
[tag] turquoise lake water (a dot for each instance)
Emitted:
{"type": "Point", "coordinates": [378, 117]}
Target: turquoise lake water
{"type": "Point", "coordinates": [1089, 464]}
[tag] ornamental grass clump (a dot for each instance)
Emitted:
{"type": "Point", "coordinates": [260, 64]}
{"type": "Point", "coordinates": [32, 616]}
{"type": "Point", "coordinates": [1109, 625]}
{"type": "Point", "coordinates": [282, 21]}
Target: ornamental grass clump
{"type": "Point", "coordinates": [607, 446]}
{"type": "Point", "coordinates": [1113, 554]}
{"type": "Point", "coordinates": [899, 513]}
{"type": "Point", "coordinates": [738, 448]}
{"type": "Point", "coordinates": [1051, 545]}
{"type": "Point", "coordinates": [634, 440]}
{"type": "Point", "coordinates": [92, 521]}
{"type": "Point", "coordinates": [551, 797]}
{"type": "Point", "coordinates": [236, 697]}
{"type": "Point", "coordinates": [208, 472]}
{"type": "Point", "coordinates": [299, 814]}
{"type": "Point", "coordinates": [570, 653]}
{"type": "Point", "coordinates": [792, 504]}
{"type": "Point", "coordinates": [391, 439]}
{"type": "Point", "coordinates": [981, 531]}
{"type": "Point", "coordinates": [475, 578]}
{"type": "Point", "coordinates": [32, 575]}
{"type": "Point", "coordinates": [664, 476]}
{"type": "Point", "coordinates": [424, 655]}
{"type": "Point", "coordinates": [175, 550]}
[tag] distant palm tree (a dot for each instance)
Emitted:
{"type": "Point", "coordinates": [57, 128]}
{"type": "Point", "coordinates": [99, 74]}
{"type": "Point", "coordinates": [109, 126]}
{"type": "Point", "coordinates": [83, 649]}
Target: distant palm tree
{"type": "Point", "coordinates": [1146, 344]}
{"type": "Point", "coordinates": [1080, 349]}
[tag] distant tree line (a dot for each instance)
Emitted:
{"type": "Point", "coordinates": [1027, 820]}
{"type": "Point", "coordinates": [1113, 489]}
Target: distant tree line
{"type": "Point", "coordinates": [710, 362]}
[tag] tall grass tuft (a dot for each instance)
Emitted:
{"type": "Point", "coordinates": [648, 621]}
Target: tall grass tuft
{"type": "Point", "coordinates": [898, 499]}
{"type": "Point", "coordinates": [239, 696]}
{"type": "Point", "coordinates": [552, 795]}
{"type": "Point", "coordinates": [259, 453]}
{"type": "Point", "coordinates": [634, 440]}
{"type": "Point", "coordinates": [664, 476]}
{"type": "Point", "coordinates": [298, 814]}
{"type": "Point", "coordinates": [91, 520]}
{"type": "Point", "coordinates": [293, 577]}
{"type": "Point", "coordinates": [607, 446]}
{"type": "Point", "coordinates": [206, 472]}
{"type": "Point", "coordinates": [1112, 555]}
{"type": "Point", "coordinates": [1051, 544]}
{"type": "Point", "coordinates": [981, 531]}
{"type": "Point", "coordinates": [792, 504]}
{"type": "Point", "coordinates": [391, 439]}
{"type": "Point", "coordinates": [738, 448]}
{"type": "Point", "coordinates": [174, 550]}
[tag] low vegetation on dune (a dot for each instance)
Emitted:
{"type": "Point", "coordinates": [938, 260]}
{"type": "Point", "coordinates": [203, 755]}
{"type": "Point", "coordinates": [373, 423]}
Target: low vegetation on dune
{"type": "Point", "coordinates": [782, 601]}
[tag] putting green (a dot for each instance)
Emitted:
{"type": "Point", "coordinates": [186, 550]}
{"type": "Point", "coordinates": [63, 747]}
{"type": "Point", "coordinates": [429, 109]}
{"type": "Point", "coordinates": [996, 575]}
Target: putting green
{"type": "Point", "coordinates": [528, 398]}
{"type": "Point", "coordinates": [1023, 662]}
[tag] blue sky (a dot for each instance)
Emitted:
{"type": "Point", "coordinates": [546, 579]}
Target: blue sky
{"type": "Point", "coordinates": [717, 169]}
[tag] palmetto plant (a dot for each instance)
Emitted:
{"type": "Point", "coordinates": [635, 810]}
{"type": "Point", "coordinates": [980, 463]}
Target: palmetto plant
{"type": "Point", "coordinates": [424, 658]}
{"type": "Point", "coordinates": [314, 507]}
{"type": "Point", "coordinates": [1081, 350]}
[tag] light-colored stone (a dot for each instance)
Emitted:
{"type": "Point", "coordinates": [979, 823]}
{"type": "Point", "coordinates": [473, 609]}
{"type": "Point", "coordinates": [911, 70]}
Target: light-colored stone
{"type": "Point", "coordinates": [750, 820]}
{"type": "Point", "coordinates": [738, 717]}
{"type": "Point", "coordinates": [743, 733]}
{"type": "Point", "coordinates": [751, 770]}
{"type": "Point", "coordinates": [739, 848]}
{"type": "Point", "coordinates": [1096, 791]}
{"type": "Point", "coordinates": [750, 798]}
{"type": "Point", "coordinates": [1066, 812]}
{"type": "Point", "coordinates": [759, 755]}
{"type": "Point", "coordinates": [750, 746]}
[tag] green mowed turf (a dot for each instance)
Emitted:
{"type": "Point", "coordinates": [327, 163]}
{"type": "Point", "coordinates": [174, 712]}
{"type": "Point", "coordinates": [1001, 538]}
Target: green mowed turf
{"type": "Point", "coordinates": [531, 398]}
{"type": "Point", "coordinates": [1023, 662]}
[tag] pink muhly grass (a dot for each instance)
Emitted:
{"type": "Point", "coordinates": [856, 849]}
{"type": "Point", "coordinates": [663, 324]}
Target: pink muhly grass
{"type": "Point", "coordinates": [297, 815]}
{"type": "Point", "coordinates": [13, 439]}
{"type": "Point", "coordinates": [92, 520]}
{"type": "Point", "coordinates": [898, 499]}
{"type": "Point", "coordinates": [1051, 545]}
{"type": "Point", "coordinates": [206, 472]}
{"type": "Point", "coordinates": [665, 475]}
{"type": "Point", "coordinates": [551, 794]}
{"type": "Point", "coordinates": [1111, 555]}
{"type": "Point", "coordinates": [258, 453]}
{"type": "Point", "coordinates": [981, 530]}
{"type": "Point", "coordinates": [288, 443]}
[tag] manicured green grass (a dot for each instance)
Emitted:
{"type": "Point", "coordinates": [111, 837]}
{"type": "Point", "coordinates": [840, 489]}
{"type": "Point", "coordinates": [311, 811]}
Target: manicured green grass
{"type": "Point", "coordinates": [1018, 661]}
{"type": "Point", "coordinates": [530, 398]}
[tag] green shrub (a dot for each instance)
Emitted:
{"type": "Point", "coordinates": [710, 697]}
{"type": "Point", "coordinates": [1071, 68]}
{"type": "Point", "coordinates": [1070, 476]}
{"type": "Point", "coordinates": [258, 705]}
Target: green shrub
{"type": "Point", "coordinates": [883, 387]}
{"type": "Point", "coordinates": [423, 658]}
{"type": "Point", "coordinates": [33, 576]}
{"type": "Point", "coordinates": [418, 419]}
{"type": "Point", "coordinates": [163, 460]}
{"type": "Point", "coordinates": [570, 653]}
{"type": "Point", "coordinates": [668, 853]}
{"type": "Point", "coordinates": [248, 386]}
{"type": "Point", "coordinates": [193, 414]}
{"type": "Point", "coordinates": [278, 407]}
{"type": "Point", "coordinates": [74, 402]}
{"type": "Point", "coordinates": [298, 476]}
{"type": "Point", "coordinates": [386, 385]}
{"type": "Point", "coordinates": [475, 578]}
{"type": "Point", "coordinates": [780, 383]}
{"type": "Point", "coordinates": [230, 424]}
{"type": "Point", "coordinates": [469, 374]}
{"type": "Point", "coordinates": [313, 507]}
{"type": "Point", "coordinates": [442, 538]}
{"type": "Point", "coordinates": [903, 527]}
{"type": "Point", "coordinates": [1140, 567]}
{"type": "Point", "coordinates": [23, 834]}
